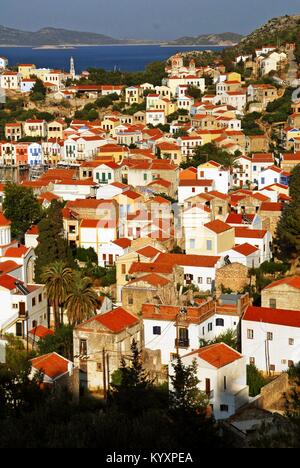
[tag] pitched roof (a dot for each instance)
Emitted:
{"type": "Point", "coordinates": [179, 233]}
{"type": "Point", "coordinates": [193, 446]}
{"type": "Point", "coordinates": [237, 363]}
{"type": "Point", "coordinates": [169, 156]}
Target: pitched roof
{"type": "Point", "coordinates": [148, 251]}
{"type": "Point", "coordinates": [116, 320]}
{"type": "Point", "coordinates": [269, 206]}
{"type": "Point", "coordinates": [203, 261]}
{"type": "Point", "coordinates": [16, 252]}
{"type": "Point", "coordinates": [250, 233]}
{"type": "Point", "coordinates": [218, 226]}
{"type": "Point", "coordinates": [288, 318]}
{"type": "Point", "coordinates": [217, 355]}
{"type": "Point", "coordinates": [124, 243]}
{"type": "Point", "coordinates": [195, 183]}
{"type": "Point", "coordinates": [52, 365]}
{"type": "Point", "coordinates": [245, 249]}
{"type": "Point", "coordinates": [151, 278]}
{"type": "Point", "coordinates": [293, 281]}
{"type": "Point", "coordinates": [8, 282]}
{"type": "Point", "coordinates": [41, 332]}
{"type": "Point", "coordinates": [4, 221]}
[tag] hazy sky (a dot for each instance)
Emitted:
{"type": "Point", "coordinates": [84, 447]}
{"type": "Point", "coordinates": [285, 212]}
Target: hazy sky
{"type": "Point", "coordinates": [149, 19]}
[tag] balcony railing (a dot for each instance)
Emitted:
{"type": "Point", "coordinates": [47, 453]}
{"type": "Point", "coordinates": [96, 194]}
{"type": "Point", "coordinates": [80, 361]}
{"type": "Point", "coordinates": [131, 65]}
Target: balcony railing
{"type": "Point", "coordinates": [182, 343]}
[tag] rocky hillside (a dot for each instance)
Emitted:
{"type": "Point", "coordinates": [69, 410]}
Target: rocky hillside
{"type": "Point", "coordinates": [223, 39]}
{"type": "Point", "coordinates": [274, 32]}
{"type": "Point", "coordinates": [52, 36]}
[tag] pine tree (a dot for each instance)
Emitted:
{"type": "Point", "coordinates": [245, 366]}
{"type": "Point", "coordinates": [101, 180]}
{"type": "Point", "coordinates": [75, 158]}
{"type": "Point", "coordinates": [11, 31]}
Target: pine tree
{"type": "Point", "coordinates": [185, 395]}
{"type": "Point", "coordinates": [52, 244]}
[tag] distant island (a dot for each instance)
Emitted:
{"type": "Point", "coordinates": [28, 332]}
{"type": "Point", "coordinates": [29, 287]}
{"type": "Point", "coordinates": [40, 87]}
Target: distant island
{"type": "Point", "coordinates": [63, 37]}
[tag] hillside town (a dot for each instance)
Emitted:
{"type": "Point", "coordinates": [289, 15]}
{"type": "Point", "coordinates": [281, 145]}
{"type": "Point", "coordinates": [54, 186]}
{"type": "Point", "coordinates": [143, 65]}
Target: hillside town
{"type": "Point", "coordinates": [159, 218]}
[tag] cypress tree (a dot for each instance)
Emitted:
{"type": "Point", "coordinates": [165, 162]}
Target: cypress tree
{"type": "Point", "coordinates": [52, 244]}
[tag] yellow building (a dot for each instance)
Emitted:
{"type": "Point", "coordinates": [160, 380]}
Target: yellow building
{"type": "Point", "coordinates": [26, 70]}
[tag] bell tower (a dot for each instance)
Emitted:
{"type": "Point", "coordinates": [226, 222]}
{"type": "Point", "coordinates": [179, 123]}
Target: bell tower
{"type": "Point", "coordinates": [72, 68]}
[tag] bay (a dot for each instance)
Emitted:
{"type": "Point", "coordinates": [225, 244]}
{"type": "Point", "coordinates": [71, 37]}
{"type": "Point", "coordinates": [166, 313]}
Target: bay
{"type": "Point", "coordinates": [120, 57]}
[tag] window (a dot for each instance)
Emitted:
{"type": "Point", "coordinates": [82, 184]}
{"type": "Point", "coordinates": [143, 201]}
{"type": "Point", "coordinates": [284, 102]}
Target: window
{"type": "Point", "coordinates": [219, 322]}
{"type": "Point", "coordinates": [208, 245]}
{"type": "Point", "coordinates": [99, 367]}
{"type": "Point", "coordinates": [192, 243]}
{"type": "Point", "coordinates": [209, 281]}
{"type": "Point", "coordinates": [270, 336]}
{"type": "Point", "coordinates": [225, 382]}
{"type": "Point", "coordinates": [130, 300]}
{"type": "Point", "coordinates": [291, 341]}
{"type": "Point", "coordinates": [250, 334]}
{"type": "Point", "coordinates": [262, 180]}
{"type": "Point", "coordinates": [200, 280]}
{"type": "Point", "coordinates": [272, 367]}
{"type": "Point", "coordinates": [224, 408]}
{"type": "Point", "coordinates": [83, 347]}
{"type": "Point", "coordinates": [40, 297]}
{"type": "Point", "coordinates": [33, 302]}
{"type": "Point", "coordinates": [210, 327]}
{"type": "Point", "coordinates": [272, 303]}
{"type": "Point", "coordinates": [123, 269]}
{"type": "Point", "coordinates": [156, 330]}
{"type": "Point", "coordinates": [252, 361]}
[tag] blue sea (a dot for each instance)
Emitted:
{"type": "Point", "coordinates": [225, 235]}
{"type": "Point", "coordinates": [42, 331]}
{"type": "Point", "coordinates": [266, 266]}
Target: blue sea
{"type": "Point", "coordinates": [124, 58]}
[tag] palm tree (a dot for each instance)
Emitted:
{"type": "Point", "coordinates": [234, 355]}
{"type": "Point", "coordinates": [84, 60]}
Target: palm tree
{"type": "Point", "coordinates": [58, 280]}
{"type": "Point", "coordinates": [82, 301]}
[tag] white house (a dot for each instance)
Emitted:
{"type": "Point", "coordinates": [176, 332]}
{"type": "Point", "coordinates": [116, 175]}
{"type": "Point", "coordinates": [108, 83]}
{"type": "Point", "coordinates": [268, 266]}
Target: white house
{"type": "Point", "coordinates": [190, 188]}
{"type": "Point", "coordinates": [242, 171]}
{"type": "Point", "coordinates": [222, 375]}
{"type": "Point", "coordinates": [109, 252]}
{"type": "Point", "coordinates": [214, 171]}
{"type": "Point", "coordinates": [260, 162]}
{"type": "Point", "coordinates": [21, 306]}
{"type": "Point", "coordinates": [35, 154]}
{"type": "Point", "coordinates": [155, 117]}
{"type": "Point", "coordinates": [27, 84]}
{"type": "Point", "coordinates": [3, 63]}
{"type": "Point", "coordinates": [107, 173]}
{"type": "Point", "coordinates": [245, 254]}
{"type": "Point", "coordinates": [259, 238]}
{"type": "Point", "coordinates": [271, 338]}
{"type": "Point", "coordinates": [270, 176]}
{"type": "Point", "coordinates": [106, 192]}
{"type": "Point", "coordinates": [10, 80]}
{"type": "Point", "coordinates": [199, 270]}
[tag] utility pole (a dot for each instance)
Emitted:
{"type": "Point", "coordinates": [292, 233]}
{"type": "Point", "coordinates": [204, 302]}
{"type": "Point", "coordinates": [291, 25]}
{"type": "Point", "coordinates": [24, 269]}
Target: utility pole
{"type": "Point", "coordinates": [104, 374]}
{"type": "Point", "coordinates": [108, 372]}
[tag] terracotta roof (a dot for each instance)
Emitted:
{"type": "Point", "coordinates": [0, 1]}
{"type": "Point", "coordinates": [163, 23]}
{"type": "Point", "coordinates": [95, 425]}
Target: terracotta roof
{"type": "Point", "coordinates": [148, 251]}
{"type": "Point", "coordinates": [52, 365]}
{"type": "Point", "coordinates": [7, 266]}
{"type": "Point", "coordinates": [16, 252]}
{"type": "Point", "coordinates": [218, 226]}
{"type": "Point", "coordinates": [250, 233]}
{"type": "Point", "coordinates": [41, 332]}
{"type": "Point", "coordinates": [288, 318]}
{"type": "Point", "coordinates": [123, 243]}
{"type": "Point", "coordinates": [269, 206]}
{"type": "Point", "coordinates": [33, 231]}
{"type": "Point", "coordinates": [4, 221]}
{"type": "Point", "coordinates": [8, 282]}
{"type": "Point", "coordinates": [160, 268]}
{"type": "Point", "coordinates": [203, 261]}
{"type": "Point", "coordinates": [293, 281]}
{"type": "Point", "coordinates": [153, 279]}
{"type": "Point", "coordinates": [116, 320]}
{"type": "Point", "coordinates": [195, 183]}
{"type": "Point", "coordinates": [217, 355]}
{"type": "Point", "coordinates": [245, 249]}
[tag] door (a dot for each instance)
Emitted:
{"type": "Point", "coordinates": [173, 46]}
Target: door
{"type": "Point", "coordinates": [207, 387]}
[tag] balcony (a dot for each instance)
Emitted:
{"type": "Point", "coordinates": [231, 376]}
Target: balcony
{"type": "Point", "coordinates": [182, 343]}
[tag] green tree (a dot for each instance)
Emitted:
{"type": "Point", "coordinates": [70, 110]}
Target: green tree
{"type": "Point", "coordinates": [287, 240]}
{"type": "Point", "coordinates": [82, 301]}
{"type": "Point", "coordinates": [229, 337]}
{"type": "Point", "coordinates": [185, 394]}
{"type": "Point", "coordinates": [38, 92]}
{"type": "Point", "coordinates": [58, 279]}
{"type": "Point", "coordinates": [22, 208]}
{"type": "Point", "coordinates": [52, 245]}
{"type": "Point", "coordinates": [132, 388]}
{"type": "Point", "coordinates": [255, 380]}
{"type": "Point", "coordinates": [61, 342]}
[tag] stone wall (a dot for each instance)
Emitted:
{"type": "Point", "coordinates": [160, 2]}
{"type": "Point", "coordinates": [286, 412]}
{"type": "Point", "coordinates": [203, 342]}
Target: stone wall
{"type": "Point", "coordinates": [234, 277]}
{"type": "Point", "coordinates": [273, 392]}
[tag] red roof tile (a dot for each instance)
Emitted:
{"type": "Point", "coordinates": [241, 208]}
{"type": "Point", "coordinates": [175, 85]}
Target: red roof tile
{"type": "Point", "coordinates": [218, 226]}
{"type": "Point", "coordinates": [288, 318]}
{"type": "Point", "coordinates": [41, 332]}
{"type": "Point", "coordinates": [293, 281]}
{"type": "Point", "coordinates": [217, 355]}
{"type": "Point", "coordinates": [116, 320]}
{"type": "Point", "coordinates": [52, 365]}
